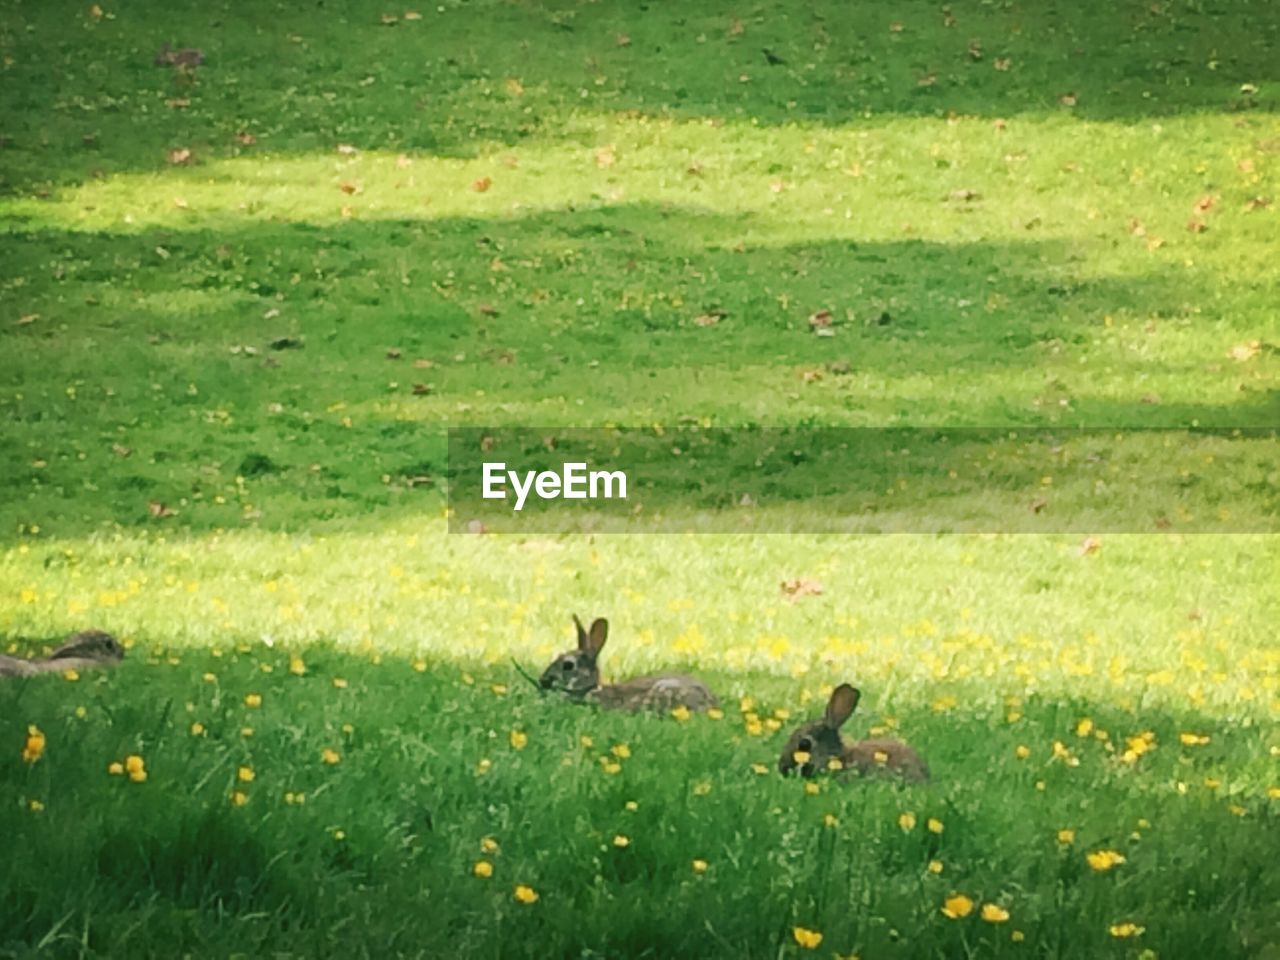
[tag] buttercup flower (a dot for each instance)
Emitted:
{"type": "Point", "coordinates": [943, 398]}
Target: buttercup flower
{"type": "Point", "coordinates": [907, 821]}
{"type": "Point", "coordinates": [957, 906]}
{"type": "Point", "coordinates": [489, 845]}
{"type": "Point", "coordinates": [1103, 860]}
{"type": "Point", "coordinates": [935, 866]}
{"type": "Point", "coordinates": [253, 700]}
{"type": "Point", "coordinates": [681, 713]}
{"type": "Point", "coordinates": [33, 749]}
{"type": "Point", "coordinates": [699, 866]}
{"type": "Point", "coordinates": [994, 914]}
{"type": "Point", "coordinates": [935, 825]}
{"type": "Point", "coordinates": [239, 799]}
{"type": "Point", "coordinates": [807, 939]}
{"type": "Point", "coordinates": [115, 768]}
{"type": "Point", "coordinates": [483, 869]}
{"type": "Point", "coordinates": [519, 739]}
{"type": "Point", "coordinates": [620, 750]}
{"type": "Point", "coordinates": [1127, 929]}
{"type": "Point", "coordinates": [525, 894]}
{"type": "Point", "coordinates": [621, 841]}
{"type": "Point", "coordinates": [330, 756]}
{"type": "Point", "coordinates": [245, 774]}
{"type": "Point", "coordinates": [1066, 837]}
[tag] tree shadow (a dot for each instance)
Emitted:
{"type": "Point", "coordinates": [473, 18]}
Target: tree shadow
{"type": "Point", "coordinates": [472, 77]}
{"type": "Point", "coordinates": [320, 362]}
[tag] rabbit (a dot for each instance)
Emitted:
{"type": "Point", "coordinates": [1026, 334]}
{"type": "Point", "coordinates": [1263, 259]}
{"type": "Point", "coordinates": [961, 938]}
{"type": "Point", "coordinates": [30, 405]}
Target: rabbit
{"type": "Point", "coordinates": [184, 57]}
{"type": "Point", "coordinates": [87, 649]}
{"type": "Point", "coordinates": [813, 746]}
{"type": "Point", "coordinates": [577, 675]}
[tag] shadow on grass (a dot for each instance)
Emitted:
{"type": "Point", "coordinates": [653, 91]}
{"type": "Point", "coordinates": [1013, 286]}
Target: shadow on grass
{"type": "Point", "coordinates": [164, 368]}
{"type": "Point", "coordinates": [81, 94]}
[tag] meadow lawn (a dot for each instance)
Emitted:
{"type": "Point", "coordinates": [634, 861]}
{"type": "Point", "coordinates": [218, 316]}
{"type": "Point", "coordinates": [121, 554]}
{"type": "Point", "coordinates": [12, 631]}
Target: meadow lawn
{"type": "Point", "coordinates": [241, 303]}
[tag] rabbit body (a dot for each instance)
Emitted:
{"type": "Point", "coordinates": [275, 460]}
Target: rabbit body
{"type": "Point", "coordinates": [89, 649]}
{"type": "Point", "coordinates": [815, 745]}
{"type": "Point", "coordinates": [183, 57]}
{"type": "Point", "coordinates": [576, 674]}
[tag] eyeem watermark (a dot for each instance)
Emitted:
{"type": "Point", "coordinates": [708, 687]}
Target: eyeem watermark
{"type": "Point", "coordinates": [755, 479]}
{"type": "Point", "coordinates": [573, 482]}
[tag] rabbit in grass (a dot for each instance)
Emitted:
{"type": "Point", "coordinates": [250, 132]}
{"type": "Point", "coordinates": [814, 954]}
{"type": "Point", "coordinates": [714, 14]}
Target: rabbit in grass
{"type": "Point", "coordinates": [576, 674]}
{"type": "Point", "coordinates": [84, 650]}
{"type": "Point", "coordinates": [814, 746]}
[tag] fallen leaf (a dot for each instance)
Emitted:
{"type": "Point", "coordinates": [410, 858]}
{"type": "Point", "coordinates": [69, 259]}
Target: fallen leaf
{"type": "Point", "coordinates": [349, 188]}
{"type": "Point", "coordinates": [158, 509]}
{"type": "Point", "coordinates": [801, 587]}
{"type": "Point", "coordinates": [606, 157]}
{"type": "Point", "coordinates": [389, 19]}
{"type": "Point", "coordinates": [180, 155]}
{"type": "Point", "coordinates": [709, 319]}
{"type": "Point", "coordinates": [412, 15]}
{"type": "Point", "coordinates": [422, 389]}
{"type": "Point", "coordinates": [1196, 225]}
{"type": "Point", "coordinates": [27, 318]}
{"type": "Point", "coordinates": [1038, 505]}
{"type": "Point", "coordinates": [1002, 63]}
{"type": "Point", "coordinates": [514, 87]}
{"type": "Point", "coordinates": [1089, 546]}
{"type": "Point", "coordinates": [481, 185]}
{"type": "Point", "coordinates": [975, 49]}
{"type": "Point", "coordinates": [1243, 352]}
{"type": "Point", "coordinates": [820, 319]}
{"type": "Point", "coordinates": [1257, 203]}
{"type": "Point", "coordinates": [422, 363]}
{"type": "Point", "coordinates": [121, 451]}
{"type": "Point", "coordinates": [623, 40]}
{"type": "Point", "coordinates": [895, 27]}
{"type": "Point", "coordinates": [1206, 203]}
{"type": "Point", "coordinates": [488, 310]}
{"type": "Point", "coordinates": [177, 103]}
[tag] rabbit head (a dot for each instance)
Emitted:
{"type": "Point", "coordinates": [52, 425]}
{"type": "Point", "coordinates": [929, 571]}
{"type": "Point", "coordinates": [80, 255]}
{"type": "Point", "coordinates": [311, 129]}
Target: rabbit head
{"type": "Point", "coordinates": [575, 673]}
{"type": "Point", "coordinates": [814, 745]}
{"type": "Point", "coordinates": [90, 645]}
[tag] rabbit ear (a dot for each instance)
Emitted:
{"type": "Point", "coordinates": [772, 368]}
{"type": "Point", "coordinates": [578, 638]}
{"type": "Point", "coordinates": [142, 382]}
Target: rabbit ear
{"type": "Point", "coordinates": [599, 633]}
{"type": "Point", "coordinates": [584, 642]}
{"type": "Point", "coordinates": [843, 700]}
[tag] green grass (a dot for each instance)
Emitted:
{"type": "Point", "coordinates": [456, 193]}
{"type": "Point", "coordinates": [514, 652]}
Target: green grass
{"type": "Point", "coordinates": [992, 255]}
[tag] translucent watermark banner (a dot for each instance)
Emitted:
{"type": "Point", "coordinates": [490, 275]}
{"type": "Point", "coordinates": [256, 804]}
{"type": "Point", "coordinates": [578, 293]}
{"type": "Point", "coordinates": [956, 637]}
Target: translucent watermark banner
{"type": "Point", "coordinates": [863, 480]}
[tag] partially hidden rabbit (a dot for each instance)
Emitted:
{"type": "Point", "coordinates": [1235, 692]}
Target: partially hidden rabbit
{"type": "Point", "coordinates": [84, 650]}
{"type": "Point", "coordinates": [815, 746]}
{"type": "Point", "coordinates": [576, 674]}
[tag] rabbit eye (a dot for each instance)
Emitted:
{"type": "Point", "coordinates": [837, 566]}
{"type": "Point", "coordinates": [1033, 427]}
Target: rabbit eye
{"type": "Point", "coordinates": [805, 744]}
{"type": "Point", "coordinates": [567, 665]}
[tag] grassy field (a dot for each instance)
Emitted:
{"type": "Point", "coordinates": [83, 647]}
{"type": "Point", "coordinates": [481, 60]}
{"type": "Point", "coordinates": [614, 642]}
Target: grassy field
{"type": "Point", "coordinates": [241, 304]}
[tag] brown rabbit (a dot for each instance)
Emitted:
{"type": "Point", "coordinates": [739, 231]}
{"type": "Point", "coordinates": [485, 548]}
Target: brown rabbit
{"type": "Point", "coordinates": [577, 675]}
{"type": "Point", "coordinates": [816, 744]}
{"type": "Point", "coordinates": [184, 57]}
{"type": "Point", "coordinates": [87, 649]}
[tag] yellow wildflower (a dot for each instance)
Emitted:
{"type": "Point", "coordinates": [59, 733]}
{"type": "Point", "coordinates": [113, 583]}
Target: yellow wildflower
{"type": "Point", "coordinates": [526, 894]}
{"type": "Point", "coordinates": [489, 845]}
{"type": "Point", "coordinates": [812, 789]}
{"type": "Point", "coordinates": [935, 825]}
{"type": "Point", "coordinates": [620, 750]}
{"type": "Point", "coordinates": [1103, 860]}
{"type": "Point", "coordinates": [239, 799]}
{"type": "Point", "coordinates": [699, 866]}
{"type": "Point", "coordinates": [197, 729]}
{"type": "Point", "coordinates": [1022, 752]}
{"type": "Point", "coordinates": [33, 750]}
{"type": "Point", "coordinates": [759, 768]}
{"type": "Point", "coordinates": [115, 768]}
{"type": "Point", "coordinates": [519, 739]}
{"type": "Point", "coordinates": [907, 821]}
{"type": "Point", "coordinates": [483, 869]}
{"type": "Point", "coordinates": [621, 841]}
{"type": "Point", "coordinates": [957, 906]}
{"type": "Point", "coordinates": [681, 713]}
{"type": "Point", "coordinates": [330, 756]}
{"type": "Point", "coordinates": [935, 866]}
{"type": "Point", "coordinates": [715, 713]}
{"type": "Point", "coordinates": [339, 683]}
{"type": "Point", "coordinates": [1193, 739]}
{"type": "Point", "coordinates": [1127, 929]}
{"type": "Point", "coordinates": [1066, 837]}
{"type": "Point", "coordinates": [994, 914]}
{"type": "Point", "coordinates": [245, 774]}
{"type": "Point", "coordinates": [253, 700]}
{"type": "Point", "coordinates": [807, 939]}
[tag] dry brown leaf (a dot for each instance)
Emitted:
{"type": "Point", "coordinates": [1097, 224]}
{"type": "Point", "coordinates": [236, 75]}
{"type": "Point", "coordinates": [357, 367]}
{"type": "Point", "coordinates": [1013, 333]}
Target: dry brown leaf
{"type": "Point", "coordinates": [1206, 203]}
{"type": "Point", "coordinates": [1243, 352]}
{"type": "Point", "coordinates": [514, 87]}
{"type": "Point", "coordinates": [606, 157]}
{"type": "Point", "coordinates": [623, 40]}
{"type": "Point", "coordinates": [158, 509]}
{"type": "Point", "coordinates": [412, 15]}
{"type": "Point", "coordinates": [349, 188]}
{"type": "Point", "coordinates": [799, 587]}
{"type": "Point", "coordinates": [1002, 63]}
{"type": "Point", "coordinates": [1089, 546]}
{"type": "Point", "coordinates": [481, 184]}
{"type": "Point", "coordinates": [422, 389]}
{"type": "Point", "coordinates": [821, 318]}
{"type": "Point", "coordinates": [709, 319]}
{"type": "Point", "coordinates": [1196, 225]}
